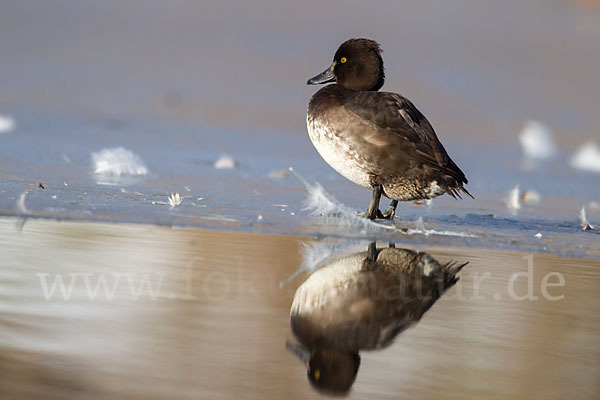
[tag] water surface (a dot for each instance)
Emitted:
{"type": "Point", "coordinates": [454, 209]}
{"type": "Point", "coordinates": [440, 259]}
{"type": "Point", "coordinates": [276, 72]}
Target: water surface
{"type": "Point", "coordinates": [200, 313]}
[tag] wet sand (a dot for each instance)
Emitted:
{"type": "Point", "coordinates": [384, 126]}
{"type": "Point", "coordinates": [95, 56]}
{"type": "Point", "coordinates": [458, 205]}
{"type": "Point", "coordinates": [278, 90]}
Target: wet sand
{"type": "Point", "coordinates": [211, 320]}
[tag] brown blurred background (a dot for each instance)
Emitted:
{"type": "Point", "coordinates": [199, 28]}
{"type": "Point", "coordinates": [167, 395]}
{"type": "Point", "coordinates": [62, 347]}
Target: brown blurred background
{"type": "Point", "coordinates": [477, 69]}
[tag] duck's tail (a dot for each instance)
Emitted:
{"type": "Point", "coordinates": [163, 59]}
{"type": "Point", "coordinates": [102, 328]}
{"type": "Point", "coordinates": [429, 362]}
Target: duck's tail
{"type": "Point", "coordinates": [455, 191]}
{"type": "Point", "coordinates": [453, 179]}
{"type": "Point", "coordinates": [451, 269]}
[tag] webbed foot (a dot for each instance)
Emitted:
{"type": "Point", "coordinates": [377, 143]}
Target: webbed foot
{"type": "Point", "coordinates": [390, 212]}
{"type": "Point", "coordinates": [375, 214]}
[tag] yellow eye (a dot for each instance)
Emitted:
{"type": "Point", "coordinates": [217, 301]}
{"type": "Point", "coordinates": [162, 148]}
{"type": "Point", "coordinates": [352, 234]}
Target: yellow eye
{"type": "Point", "coordinates": [317, 371]}
{"type": "Point", "coordinates": [343, 60]}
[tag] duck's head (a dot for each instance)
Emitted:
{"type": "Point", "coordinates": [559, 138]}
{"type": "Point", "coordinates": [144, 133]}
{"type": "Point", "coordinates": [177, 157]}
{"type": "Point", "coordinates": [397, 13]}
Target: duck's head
{"type": "Point", "coordinates": [329, 370]}
{"type": "Point", "coordinates": [357, 65]}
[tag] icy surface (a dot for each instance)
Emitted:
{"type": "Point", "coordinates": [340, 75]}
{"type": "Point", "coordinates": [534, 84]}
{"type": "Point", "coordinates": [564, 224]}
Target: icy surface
{"type": "Point", "coordinates": [248, 198]}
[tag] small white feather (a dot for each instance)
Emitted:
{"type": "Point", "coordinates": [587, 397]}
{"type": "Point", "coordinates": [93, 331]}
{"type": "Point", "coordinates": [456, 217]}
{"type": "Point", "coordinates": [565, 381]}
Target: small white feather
{"type": "Point", "coordinates": [585, 225]}
{"type": "Point", "coordinates": [7, 124]}
{"type": "Point", "coordinates": [513, 199]}
{"type": "Point", "coordinates": [21, 204]}
{"type": "Point", "coordinates": [536, 141]}
{"type": "Point", "coordinates": [118, 161]}
{"type": "Point", "coordinates": [587, 158]}
{"type": "Point", "coordinates": [225, 162]}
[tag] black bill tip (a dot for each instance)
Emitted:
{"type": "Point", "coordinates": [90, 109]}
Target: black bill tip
{"type": "Point", "coordinates": [324, 77]}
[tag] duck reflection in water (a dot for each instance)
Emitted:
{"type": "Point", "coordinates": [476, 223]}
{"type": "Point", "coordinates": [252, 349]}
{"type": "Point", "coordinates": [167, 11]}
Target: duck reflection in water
{"type": "Point", "coordinates": [361, 302]}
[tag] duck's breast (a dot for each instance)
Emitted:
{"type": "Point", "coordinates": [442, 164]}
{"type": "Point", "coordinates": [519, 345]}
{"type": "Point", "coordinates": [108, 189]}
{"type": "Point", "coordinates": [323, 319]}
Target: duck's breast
{"type": "Point", "coordinates": [332, 139]}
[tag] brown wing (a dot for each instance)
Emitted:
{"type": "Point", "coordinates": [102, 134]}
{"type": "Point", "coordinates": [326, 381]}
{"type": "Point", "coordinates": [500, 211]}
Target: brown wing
{"type": "Point", "coordinates": [395, 121]}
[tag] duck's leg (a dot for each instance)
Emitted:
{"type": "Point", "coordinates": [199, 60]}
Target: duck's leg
{"type": "Point", "coordinates": [372, 251]}
{"type": "Point", "coordinates": [373, 211]}
{"type": "Point", "coordinates": [390, 212]}
{"type": "Point", "coordinates": [371, 259]}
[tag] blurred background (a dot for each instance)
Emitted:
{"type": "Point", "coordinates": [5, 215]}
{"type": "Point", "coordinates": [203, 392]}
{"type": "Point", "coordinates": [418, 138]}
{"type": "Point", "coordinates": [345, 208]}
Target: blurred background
{"type": "Point", "coordinates": [477, 69]}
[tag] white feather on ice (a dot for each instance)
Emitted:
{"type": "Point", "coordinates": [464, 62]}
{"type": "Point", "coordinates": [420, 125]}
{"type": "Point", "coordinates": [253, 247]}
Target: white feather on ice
{"type": "Point", "coordinates": [174, 200]}
{"type": "Point", "coordinates": [536, 141]}
{"type": "Point", "coordinates": [225, 162]}
{"type": "Point", "coordinates": [585, 225]}
{"type": "Point", "coordinates": [118, 161]}
{"type": "Point", "coordinates": [587, 158]}
{"type": "Point", "coordinates": [21, 204]}
{"type": "Point", "coordinates": [7, 124]}
{"type": "Point", "coordinates": [320, 203]}
{"type": "Point", "coordinates": [513, 199]}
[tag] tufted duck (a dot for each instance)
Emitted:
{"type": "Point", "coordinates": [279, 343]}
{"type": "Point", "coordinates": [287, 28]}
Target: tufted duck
{"type": "Point", "coordinates": [378, 140]}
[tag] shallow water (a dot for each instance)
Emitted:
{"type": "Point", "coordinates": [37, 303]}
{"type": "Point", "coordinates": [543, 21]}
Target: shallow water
{"type": "Point", "coordinates": [173, 95]}
{"type": "Point", "coordinates": [200, 314]}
